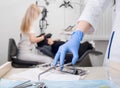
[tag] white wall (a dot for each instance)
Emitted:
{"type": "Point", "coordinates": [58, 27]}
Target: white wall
{"type": "Point", "coordinates": [12, 12]}
{"type": "Point", "coordinates": [61, 18]}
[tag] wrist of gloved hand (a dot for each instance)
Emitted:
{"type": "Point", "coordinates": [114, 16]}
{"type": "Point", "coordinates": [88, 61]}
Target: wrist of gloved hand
{"type": "Point", "coordinates": [74, 45]}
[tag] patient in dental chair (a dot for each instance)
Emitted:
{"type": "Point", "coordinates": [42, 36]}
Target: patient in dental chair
{"type": "Point", "coordinates": [50, 47]}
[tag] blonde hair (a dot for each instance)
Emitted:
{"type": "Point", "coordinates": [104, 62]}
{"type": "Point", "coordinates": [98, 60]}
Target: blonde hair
{"type": "Point", "coordinates": [31, 14]}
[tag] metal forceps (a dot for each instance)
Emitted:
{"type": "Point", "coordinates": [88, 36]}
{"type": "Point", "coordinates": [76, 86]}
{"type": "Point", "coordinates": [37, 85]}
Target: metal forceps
{"type": "Point", "coordinates": [52, 67]}
{"type": "Point", "coordinates": [72, 70]}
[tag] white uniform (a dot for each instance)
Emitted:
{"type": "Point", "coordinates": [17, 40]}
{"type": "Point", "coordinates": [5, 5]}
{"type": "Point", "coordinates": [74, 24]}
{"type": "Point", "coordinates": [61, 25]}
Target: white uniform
{"type": "Point", "coordinates": [28, 51]}
{"type": "Point", "coordinates": [90, 14]}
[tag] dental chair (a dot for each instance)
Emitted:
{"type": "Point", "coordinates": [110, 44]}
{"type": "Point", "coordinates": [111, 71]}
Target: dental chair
{"type": "Point", "coordinates": [83, 61]}
{"type": "Point", "coordinates": [12, 56]}
{"type": "Point", "coordinates": [85, 51]}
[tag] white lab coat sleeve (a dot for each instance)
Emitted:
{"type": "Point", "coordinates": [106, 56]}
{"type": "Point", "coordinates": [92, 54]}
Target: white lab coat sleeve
{"type": "Point", "coordinates": [92, 11]}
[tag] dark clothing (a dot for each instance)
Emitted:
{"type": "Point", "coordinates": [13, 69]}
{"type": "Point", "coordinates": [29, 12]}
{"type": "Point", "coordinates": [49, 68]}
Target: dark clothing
{"type": "Point", "coordinates": [56, 45]}
{"type": "Point", "coordinates": [45, 41]}
{"type": "Point", "coordinates": [83, 47]}
{"type": "Point", "coordinates": [68, 58]}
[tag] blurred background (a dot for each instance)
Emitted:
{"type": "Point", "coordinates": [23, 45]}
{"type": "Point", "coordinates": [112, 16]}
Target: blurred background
{"type": "Point", "coordinates": [60, 15]}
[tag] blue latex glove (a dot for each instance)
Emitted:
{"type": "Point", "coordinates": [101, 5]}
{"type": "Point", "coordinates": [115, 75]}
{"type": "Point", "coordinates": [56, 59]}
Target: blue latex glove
{"type": "Point", "coordinates": [71, 46]}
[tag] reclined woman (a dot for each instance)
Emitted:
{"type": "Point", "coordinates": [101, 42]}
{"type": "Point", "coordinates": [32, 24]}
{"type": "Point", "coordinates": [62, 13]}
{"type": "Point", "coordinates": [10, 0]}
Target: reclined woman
{"type": "Point", "coordinates": [55, 44]}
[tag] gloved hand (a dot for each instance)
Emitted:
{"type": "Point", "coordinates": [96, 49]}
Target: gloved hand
{"type": "Point", "coordinates": [70, 46]}
{"type": "Point", "coordinates": [48, 35]}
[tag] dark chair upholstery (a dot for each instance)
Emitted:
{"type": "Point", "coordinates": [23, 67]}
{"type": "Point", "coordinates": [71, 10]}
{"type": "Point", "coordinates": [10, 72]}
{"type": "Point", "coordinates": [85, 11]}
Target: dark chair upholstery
{"type": "Point", "coordinates": [84, 59]}
{"type": "Point", "coordinates": [12, 56]}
